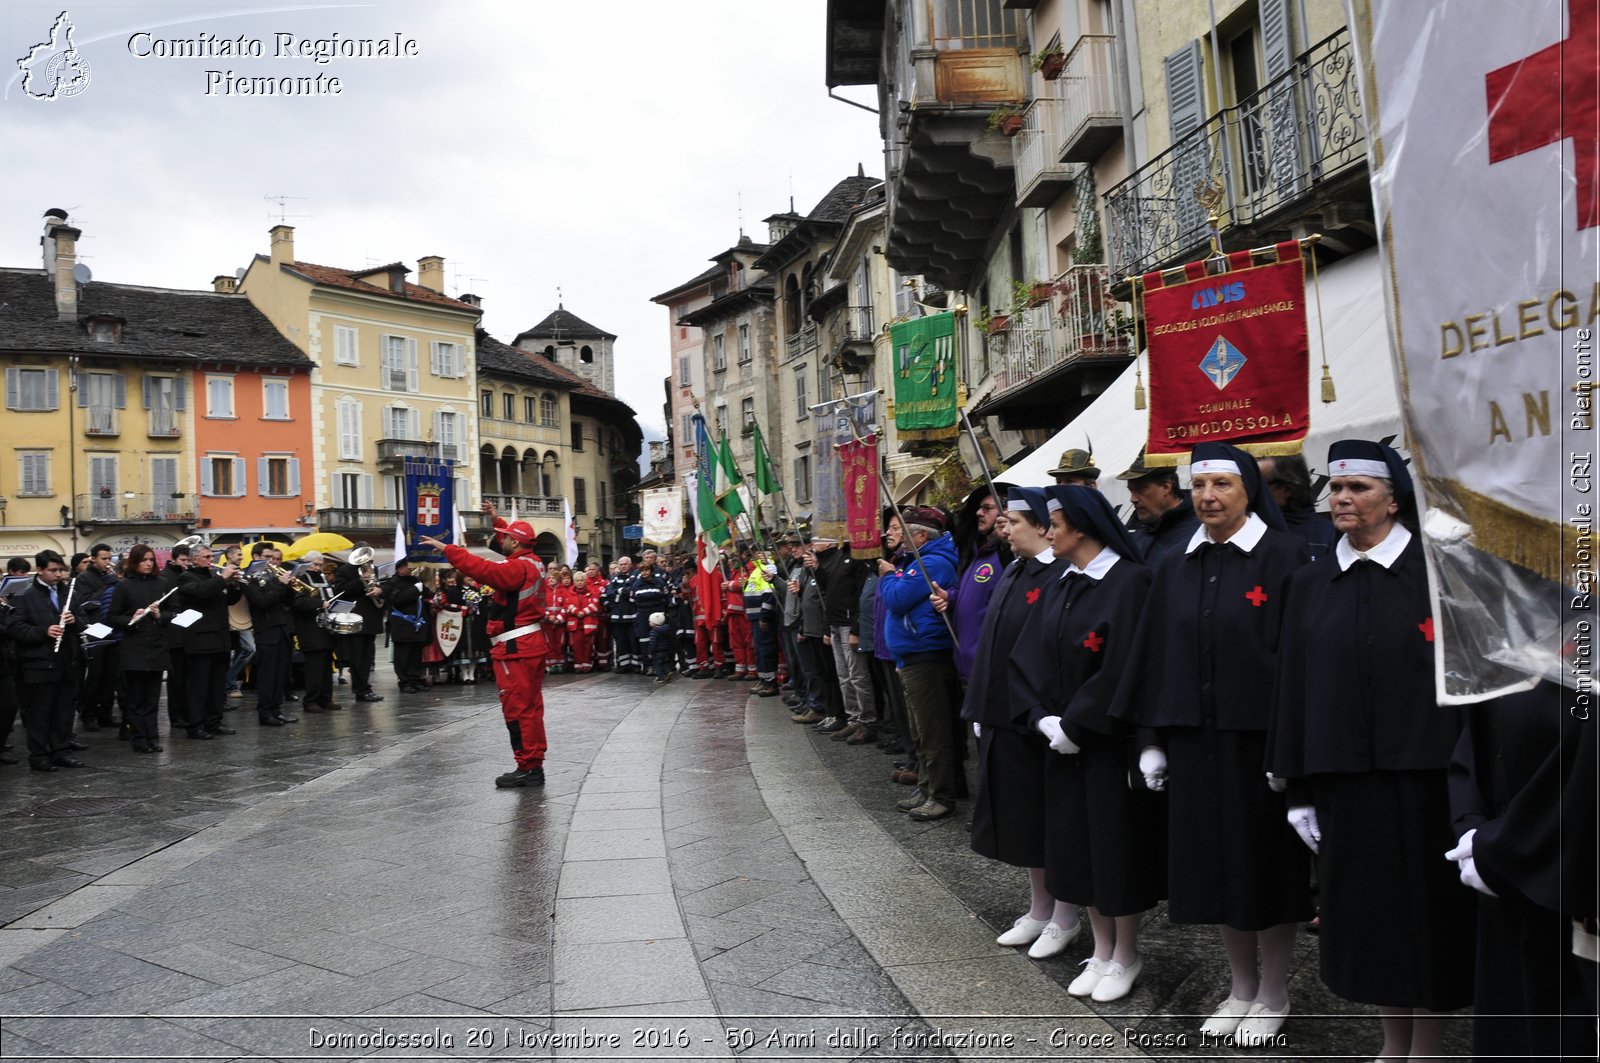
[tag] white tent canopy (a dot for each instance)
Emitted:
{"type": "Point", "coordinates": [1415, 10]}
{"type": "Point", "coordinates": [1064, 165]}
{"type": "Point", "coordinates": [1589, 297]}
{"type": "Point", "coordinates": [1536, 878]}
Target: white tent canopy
{"type": "Point", "coordinates": [1358, 356]}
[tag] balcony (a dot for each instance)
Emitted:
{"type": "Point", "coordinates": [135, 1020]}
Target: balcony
{"type": "Point", "coordinates": [1056, 357]}
{"type": "Point", "coordinates": [1036, 154]}
{"type": "Point", "coordinates": [1290, 158]}
{"type": "Point", "coordinates": [1088, 87]}
{"type": "Point", "coordinates": [802, 342]}
{"type": "Point", "coordinates": [118, 507]}
{"type": "Point", "coordinates": [526, 505]}
{"type": "Point", "coordinates": [346, 521]}
{"type": "Point", "coordinates": [101, 421]}
{"type": "Point", "coordinates": [164, 425]}
{"type": "Point", "coordinates": [495, 428]}
{"type": "Point", "coordinates": [395, 451]}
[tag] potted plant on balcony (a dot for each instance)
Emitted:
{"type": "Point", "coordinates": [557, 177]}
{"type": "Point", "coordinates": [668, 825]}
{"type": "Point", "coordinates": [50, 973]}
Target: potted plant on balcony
{"type": "Point", "coordinates": [992, 323]}
{"type": "Point", "coordinates": [1007, 121]}
{"type": "Point", "coordinates": [1032, 294]}
{"type": "Point", "coordinates": [1051, 62]}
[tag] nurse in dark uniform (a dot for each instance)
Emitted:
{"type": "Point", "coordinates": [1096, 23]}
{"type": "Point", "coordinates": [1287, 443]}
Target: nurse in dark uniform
{"type": "Point", "coordinates": [1008, 818]}
{"type": "Point", "coordinates": [1065, 668]}
{"type": "Point", "coordinates": [1357, 733]}
{"type": "Point", "coordinates": [1210, 633]}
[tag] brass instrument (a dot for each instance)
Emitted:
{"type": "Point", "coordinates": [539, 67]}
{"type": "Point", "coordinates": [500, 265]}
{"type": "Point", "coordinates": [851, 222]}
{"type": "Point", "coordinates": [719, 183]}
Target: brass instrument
{"type": "Point", "coordinates": [191, 541]}
{"type": "Point", "coordinates": [361, 557]}
{"type": "Point", "coordinates": [273, 573]}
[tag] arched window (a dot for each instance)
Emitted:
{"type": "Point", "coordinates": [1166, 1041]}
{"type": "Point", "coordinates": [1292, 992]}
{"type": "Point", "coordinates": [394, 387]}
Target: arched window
{"type": "Point", "coordinates": [791, 305]}
{"type": "Point", "coordinates": [488, 470]}
{"type": "Point", "coordinates": [510, 473]}
{"type": "Point", "coordinates": [586, 354]}
{"type": "Point", "coordinates": [549, 412]}
{"type": "Point", "coordinates": [551, 475]}
{"type": "Point", "coordinates": [550, 352]}
{"type": "Point", "coordinates": [528, 470]}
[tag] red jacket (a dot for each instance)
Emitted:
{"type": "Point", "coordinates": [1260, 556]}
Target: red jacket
{"type": "Point", "coordinates": [518, 602]}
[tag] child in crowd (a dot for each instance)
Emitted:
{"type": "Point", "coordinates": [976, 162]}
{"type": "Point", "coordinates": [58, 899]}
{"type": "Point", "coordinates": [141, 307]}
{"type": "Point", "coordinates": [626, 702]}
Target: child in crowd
{"type": "Point", "coordinates": [663, 646]}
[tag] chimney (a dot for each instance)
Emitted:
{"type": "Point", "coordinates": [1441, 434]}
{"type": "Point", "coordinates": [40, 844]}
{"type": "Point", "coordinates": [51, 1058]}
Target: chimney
{"type": "Point", "coordinates": [282, 244]}
{"type": "Point", "coordinates": [430, 273]}
{"type": "Point", "coordinates": [60, 242]}
{"type": "Point", "coordinates": [223, 284]}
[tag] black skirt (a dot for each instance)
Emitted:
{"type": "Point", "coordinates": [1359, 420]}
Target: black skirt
{"type": "Point", "coordinates": [1008, 816]}
{"type": "Point", "coordinates": [1397, 924]}
{"type": "Point", "coordinates": [1103, 840]}
{"type": "Point", "coordinates": [1232, 857]}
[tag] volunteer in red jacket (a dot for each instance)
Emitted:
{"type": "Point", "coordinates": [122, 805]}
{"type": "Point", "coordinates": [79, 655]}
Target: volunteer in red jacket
{"type": "Point", "coordinates": [516, 637]}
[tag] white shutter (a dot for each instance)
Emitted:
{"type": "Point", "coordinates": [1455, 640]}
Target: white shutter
{"type": "Point", "coordinates": [145, 383]}
{"type": "Point", "coordinates": [438, 431]}
{"type": "Point", "coordinates": [294, 476]}
{"type": "Point", "coordinates": [1282, 127]}
{"type": "Point", "coordinates": [366, 490]}
{"type": "Point", "coordinates": [178, 392]}
{"type": "Point", "coordinates": [1186, 111]}
{"type": "Point", "coordinates": [120, 391]}
{"type": "Point", "coordinates": [13, 388]}
{"type": "Point", "coordinates": [413, 424]}
{"type": "Point", "coordinates": [458, 360]}
{"type": "Point", "coordinates": [238, 478]}
{"type": "Point", "coordinates": [205, 476]}
{"type": "Point", "coordinates": [263, 479]}
{"type": "Point", "coordinates": [412, 384]}
{"type": "Point", "coordinates": [434, 365]}
{"type": "Point", "coordinates": [163, 482]}
{"type": "Point", "coordinates": [83, 392]}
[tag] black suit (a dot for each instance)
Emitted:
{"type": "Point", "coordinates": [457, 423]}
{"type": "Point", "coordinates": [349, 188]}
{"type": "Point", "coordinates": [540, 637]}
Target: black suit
{"type": "Point", "coordinates": [358, 652]}
{"type": "Point", "coordinates": [269, 619]}
{"type": "Point", "coordinates": [404, 595]}
{"type": "Point", "coordinates": [207, 644]}
{"type": "Point", "coordinates": [48, 677]}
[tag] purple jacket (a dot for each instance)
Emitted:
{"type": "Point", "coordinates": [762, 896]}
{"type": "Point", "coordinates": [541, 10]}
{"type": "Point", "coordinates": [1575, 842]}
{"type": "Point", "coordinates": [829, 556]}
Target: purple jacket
{"type": "Point", "coordinates": [969, 601]}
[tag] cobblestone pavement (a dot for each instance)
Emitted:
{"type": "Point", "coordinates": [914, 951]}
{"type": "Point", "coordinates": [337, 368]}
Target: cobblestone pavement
{"type": "Point", "coordinates": [698, 878]}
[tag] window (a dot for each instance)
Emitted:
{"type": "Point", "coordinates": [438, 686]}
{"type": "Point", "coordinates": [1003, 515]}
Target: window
{"type": "Point", "coordinates": [447, 433]}
{"type": "Point", "coordinates": [686, 438]}
{"type": "Point", "coordinates": [31, 389]}
{"type": "Point", "coordinates": [164, 484]}
{"type": "Point", "coordinates": [486, 404]}
{"type": "Point", "coordinates": [529, 407]}
{"type": "Point", "coordinates": [103, 498]}
{"type": "Point", "coordinates": [447, 360]}
{"type": "Point", "coordinates": [222, 476]}
{"type": "Point", "coordinates": [549, 412]}
{"type": "Point", "coordinates": [351, 490]}
{"type": "Point", "coordinates": [802, 478]}
{"type": "Point", "coordinates": [577, 434]}
{"type": "Point", "coordinates": [401, 423]}
{"type": "Point", "coordinates": [399, 364]}
{"type": "Point", "coordinates": [721, 419]}
{"type": "Point", "coordinates": [747, 412]}
{"type": "Point", "coordinates": [346, 349]}
{"type": "Point", "coordinates": [275, 400]}
{"type": "Point", "coordinates": [34, 478]}
{"type": "Point", "coordinates": [163, 397]}
{"type": "Point", "coordinates": [684, 377]}
{"type": "Point", "coordinates": [508, 406]}
{"type": "Point", "coordinates": [719, 356]}
{"type": "Point", "coordinates": [586, 355]}
{"type": "Point", "coordinates": [101, 395]}
{"type": "Point", "coordinates": [601, 499]}
{"type": "Point", "coordinates": [802, 405]}
{"type": "Point", "coordinates": [580, 497]}
{"type": "Point", "coordinates": [278, 476]}
{"type": "Point", "coordinates": [219, 396]}
{"type": "Point", "coordinates": [349, 429]}
{"type": "Point", "coordinates": [744, 344]}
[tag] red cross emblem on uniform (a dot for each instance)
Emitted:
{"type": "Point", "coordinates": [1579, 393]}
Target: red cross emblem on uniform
{"type": "Point", "coordinates": [1094, 642]}
{"type": "Point", "coordinates": [1426, 627]}
{"type": "Point", "coordinates": [428, 509]}
{"type": "Point", "coordinates": [1257, 596]}
{"type": "Point", "coordinates": [1032, 596]}
{"type": "Point", "coordinates": [1551, 96]}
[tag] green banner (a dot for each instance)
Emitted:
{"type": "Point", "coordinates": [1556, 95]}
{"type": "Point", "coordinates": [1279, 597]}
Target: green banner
{"type": "Point", "coordinates": [925, 373]}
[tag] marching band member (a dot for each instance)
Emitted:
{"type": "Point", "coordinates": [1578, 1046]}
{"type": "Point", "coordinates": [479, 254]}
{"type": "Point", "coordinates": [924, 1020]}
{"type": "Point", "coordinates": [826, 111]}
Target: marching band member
{"type": "Point", "coordinates": [359, 652]}
{"type": "Point", "coordinates": [206, 643]}
{"type": "Point", "coordinates": [515, 631]}
{"type": "Point", "coordinates": [49, 654]}
{"type": "Point", "coordinates": [177, 658]}
{"type": "Point", "coordinates": [408, 625]}
{"type": "Point", "coordinates": [269, 593]}
{"type": "Point", "coordinates": [309, 614]}
{"type": "Point", "coordinates": [134, 612]}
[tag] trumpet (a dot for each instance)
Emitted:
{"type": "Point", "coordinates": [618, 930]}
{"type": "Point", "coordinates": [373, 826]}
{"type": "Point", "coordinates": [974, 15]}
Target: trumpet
{"type": "Point", "coordinates": [275, 572]}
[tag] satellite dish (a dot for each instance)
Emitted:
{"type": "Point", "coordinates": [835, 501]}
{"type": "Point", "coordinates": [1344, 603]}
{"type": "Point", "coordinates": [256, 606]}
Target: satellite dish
{"type": "Point", "coordinates": [238, 274]}
{"type": "Point", "coordinates": [82, 274]}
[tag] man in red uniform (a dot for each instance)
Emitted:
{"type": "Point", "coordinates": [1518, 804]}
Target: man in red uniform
{"type": "Point", "coordinates": [516, 636]}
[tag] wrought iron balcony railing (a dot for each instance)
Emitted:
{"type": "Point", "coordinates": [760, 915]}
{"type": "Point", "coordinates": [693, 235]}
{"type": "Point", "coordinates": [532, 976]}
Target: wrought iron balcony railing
{"type": "Point", "coordinates": [119, 507]}
{"type": "Point", "coordinates": [1080, 320]}
{"type": "Point", "coordinates": [1090, 117]}
{"type": "Point", "coordinates": [101, 421]}
{"type": "Point", "coordinates": [804, 340]}
{"type": "Point", "coordinates": [1266, 154]}
{"type": "Point", "coordinates": [164, 424]}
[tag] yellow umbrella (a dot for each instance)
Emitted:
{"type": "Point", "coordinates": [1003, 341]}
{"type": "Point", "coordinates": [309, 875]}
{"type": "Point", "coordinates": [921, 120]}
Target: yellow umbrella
{"type": "Point", "coordinates": [249, 551]}
{"type": "Point", "coordinates": [322, 542]}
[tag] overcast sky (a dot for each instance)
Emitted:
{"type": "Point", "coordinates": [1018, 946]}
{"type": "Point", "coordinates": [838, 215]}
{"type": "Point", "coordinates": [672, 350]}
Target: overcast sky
{"type": "Point", "coordinates": [599, 147]}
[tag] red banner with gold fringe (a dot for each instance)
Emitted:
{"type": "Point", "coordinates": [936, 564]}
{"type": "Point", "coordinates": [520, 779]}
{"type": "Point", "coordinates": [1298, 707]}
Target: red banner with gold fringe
{"type": "Point", "coordinates": [858, 466]}
{"type": "Point", "coordinates": [1228, 355]}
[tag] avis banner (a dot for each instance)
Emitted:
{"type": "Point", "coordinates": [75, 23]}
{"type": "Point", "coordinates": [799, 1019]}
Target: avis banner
{"type": "Point", "coordinates": [1228, 356]}
{"type": "Point", "coordinates": [1493, 289]}
{"type": "Point", "coordinates": [858, 469]}
{"type": "Point", "coordinates": [429, 506]}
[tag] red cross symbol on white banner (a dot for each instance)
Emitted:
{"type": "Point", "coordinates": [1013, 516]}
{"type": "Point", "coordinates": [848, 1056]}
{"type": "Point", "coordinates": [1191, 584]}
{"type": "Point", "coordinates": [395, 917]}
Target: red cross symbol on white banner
{"type": "Point", "coordinates": [1551, 96]}
{"type": "Point", "coordinates": [661, 514]}
{"type": "Point", "coordinates": [428, 509]}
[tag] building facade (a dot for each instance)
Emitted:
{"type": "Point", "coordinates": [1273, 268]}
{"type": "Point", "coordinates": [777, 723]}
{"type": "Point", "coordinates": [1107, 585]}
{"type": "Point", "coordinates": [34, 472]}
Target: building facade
{"type": "Point", "coordinates": [686, 380]}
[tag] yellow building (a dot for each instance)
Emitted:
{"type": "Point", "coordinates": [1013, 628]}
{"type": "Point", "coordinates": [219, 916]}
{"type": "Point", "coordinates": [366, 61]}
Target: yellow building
{"type": "Point", "coordinates": [395, 377]}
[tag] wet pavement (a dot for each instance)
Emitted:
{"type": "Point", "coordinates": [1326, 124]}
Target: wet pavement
{"type": "Point", "coordinates": [699, 878]}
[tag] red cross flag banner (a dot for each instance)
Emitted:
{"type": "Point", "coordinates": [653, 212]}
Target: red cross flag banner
{"type": "Point", "coordinates": [1228, 355]}
{"type": "Point", "coordinates": [1485, 168]}
{"type": "Point", "coordinates": [429, 505]}
{"type": "Point", "coordinates": [858, 471]}
{"type": "Point", "coordinates": [662, 514]}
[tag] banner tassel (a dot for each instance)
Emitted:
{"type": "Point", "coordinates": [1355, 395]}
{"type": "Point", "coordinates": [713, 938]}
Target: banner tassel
{"type": "Point", "coordinates": [1138, 389]}
{"type": "Point", "coordinates": [1328, 394]}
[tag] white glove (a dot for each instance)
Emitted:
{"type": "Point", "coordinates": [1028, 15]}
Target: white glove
{"type": "Point", "coordinates": [1462, 855]}
{"type": "Point", "coordinates": [977, 729]}
{"type": "Point", "coordinates": [1153, 766]}
{"type": "Point", "coordinates": [1275, 784]}
{"type": "Point", "coordinates": [1050, 727]}
{"type": "Point", "coordinates": [1303, 818]}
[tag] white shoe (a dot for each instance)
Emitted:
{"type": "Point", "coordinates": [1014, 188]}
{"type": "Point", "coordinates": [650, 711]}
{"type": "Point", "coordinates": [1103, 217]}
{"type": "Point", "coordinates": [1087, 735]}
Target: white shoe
{"type": "Point", "coordinates": [1054, 939]}
{"type": "Point", "coordinates": [1226, 1019]}
{"type": "Point", "coordinates": [1259, 1025]}
{"type": "Point", "coordinates": [1118, 981]}
{"type": "Point", "coordinates": [1024, 931]}
{"type": "Point", "coordinates": [1093, 971]}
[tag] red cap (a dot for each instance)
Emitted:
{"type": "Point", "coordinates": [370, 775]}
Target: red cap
{"type": "Point", "coordinates": [520, 530]}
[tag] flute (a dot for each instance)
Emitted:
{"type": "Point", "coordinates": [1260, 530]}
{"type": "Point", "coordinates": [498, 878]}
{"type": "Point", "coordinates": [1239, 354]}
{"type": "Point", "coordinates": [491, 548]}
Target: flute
{"type": "Point", "coordinates": [66, 607]}
{"type": "Point", "coordinates": [151, 606]}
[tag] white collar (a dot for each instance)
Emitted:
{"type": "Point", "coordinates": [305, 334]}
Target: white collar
{"type": "Point", "coordinates": [1385, 553]}
{"type": "Point", "coordinates": [1245, 538]}
{"type": "Point", "coordinates": [1097, 568]}
{"type": "Point", "coordinates": [1045, 556]}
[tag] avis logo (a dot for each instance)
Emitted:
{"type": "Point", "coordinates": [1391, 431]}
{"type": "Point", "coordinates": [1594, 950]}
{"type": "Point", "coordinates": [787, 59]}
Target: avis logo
{"type": "Point", "coordinates": [1227, 293]}
{"type": "Point", "coordinates": [55, 69]}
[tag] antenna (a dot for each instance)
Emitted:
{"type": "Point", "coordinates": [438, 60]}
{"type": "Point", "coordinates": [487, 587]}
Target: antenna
{"type": "Point", "coordinates": [791, 191]}
{"type": "Point", "coordinates": [282, 202]}
{"type": "Point", "coordinates": [559, 304]}
{"type": "Point", "coordinates": [82, 273]}
{"type": "Point", "coordinates": [739, 199]}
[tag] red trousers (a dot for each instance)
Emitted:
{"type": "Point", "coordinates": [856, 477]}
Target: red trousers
{"type": "Point", "coordinates": [582, 643]}
{"type": "Point", "coordinates": [707, 647]}
{"type": "Point", "coordinates": [555, 640]}
{"type": "Point", "coordinates": [521, 683]}
{"type": "Point", "coordinates": [740, 648]}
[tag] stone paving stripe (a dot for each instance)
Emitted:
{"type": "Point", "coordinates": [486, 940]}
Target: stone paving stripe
{"type": "Point", "coordinates": [614, 878]}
